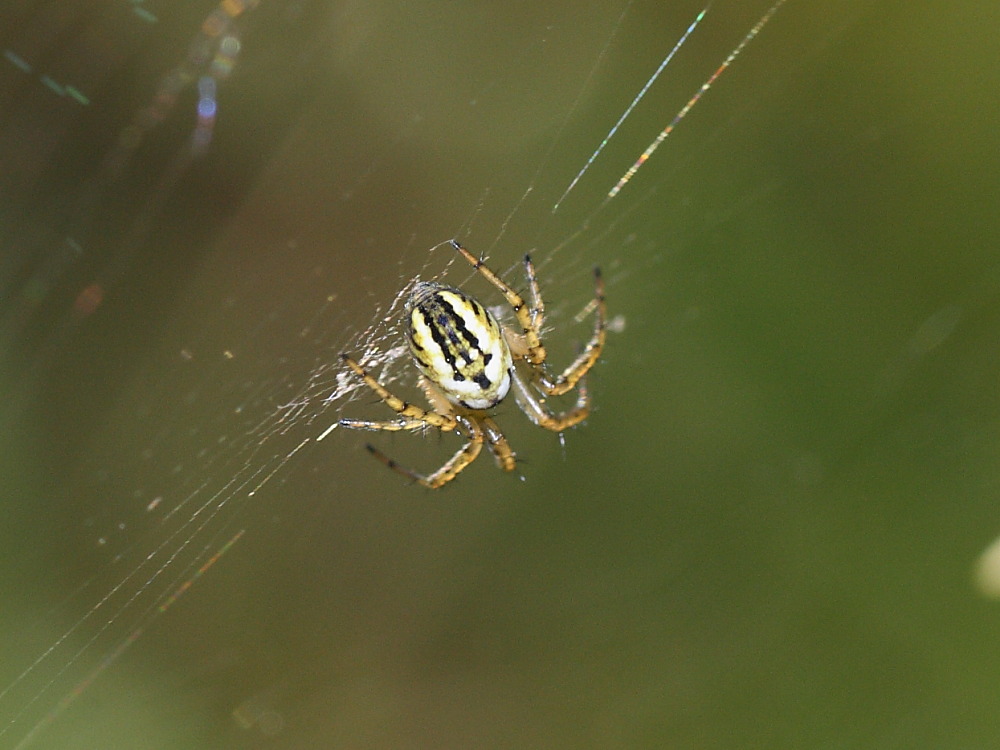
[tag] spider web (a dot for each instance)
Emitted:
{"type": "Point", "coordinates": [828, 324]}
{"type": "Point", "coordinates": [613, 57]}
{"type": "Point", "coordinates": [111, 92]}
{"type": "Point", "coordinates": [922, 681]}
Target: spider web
{"type": "Point", "coordinates": [208, 455]}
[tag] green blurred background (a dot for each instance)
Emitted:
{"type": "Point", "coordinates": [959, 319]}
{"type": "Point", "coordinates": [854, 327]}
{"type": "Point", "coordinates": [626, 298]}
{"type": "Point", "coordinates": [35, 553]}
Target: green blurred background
{"type": "Point", "coordinates": [766, 534]}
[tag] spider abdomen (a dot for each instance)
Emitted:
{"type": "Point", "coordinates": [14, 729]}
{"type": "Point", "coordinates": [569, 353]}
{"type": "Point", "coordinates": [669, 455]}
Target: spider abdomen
{"type": "Point", "coordinates": [458, 346]}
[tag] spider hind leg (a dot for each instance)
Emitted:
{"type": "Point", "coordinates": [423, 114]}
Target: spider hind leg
{"type": "Point", "coordinates": [451, 469]}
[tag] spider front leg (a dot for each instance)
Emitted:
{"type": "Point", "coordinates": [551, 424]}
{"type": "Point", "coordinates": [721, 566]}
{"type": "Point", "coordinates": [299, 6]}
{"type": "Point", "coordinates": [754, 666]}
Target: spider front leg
{"type": "Point", "coordinates": [530, 346]}
{"type": "Point", "coordinates": [529, 319]}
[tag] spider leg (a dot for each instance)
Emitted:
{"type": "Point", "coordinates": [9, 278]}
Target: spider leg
{"type": "Point", "coordinates": [537, 305]}
{"type": "Point", "coordinates": [412, 417]}
{"type": "Point", "coordinates": [462, 458]}
{"type": "Point", "coordinates": [499, 445]}
{"type": "Point", "coordinates": [387, 425]}
{"type": "Point", "coordinates": [526, 317]}
{"type": "Point", "coordinates": [534, 406]}
{"type": "Point", "coordinates": [590, 354]}
{"type": "Point", "coordinates": [410, 413]}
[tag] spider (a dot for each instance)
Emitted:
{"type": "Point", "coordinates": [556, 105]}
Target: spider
{"type": "Point", "coordinates": [469, 361]}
